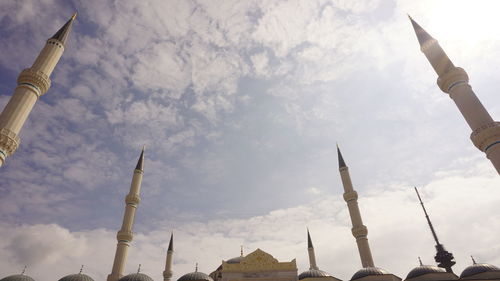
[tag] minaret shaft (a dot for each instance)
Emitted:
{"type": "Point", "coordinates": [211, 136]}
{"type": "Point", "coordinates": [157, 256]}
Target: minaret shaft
{"type": "Point", "coordinates": [32, 83]}
{"type": "Point", "coordinates": [455, 82]}
{"type": "Point", "coordinates": [312, 255]}
{"type": "Point", "coordinates": [125, 235]}
{"type": "Point", "coordinates": [359, 231]}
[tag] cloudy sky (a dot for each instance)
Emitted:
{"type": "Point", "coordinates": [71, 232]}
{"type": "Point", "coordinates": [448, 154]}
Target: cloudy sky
{"type": "Point", "coordinates": [240, 104]}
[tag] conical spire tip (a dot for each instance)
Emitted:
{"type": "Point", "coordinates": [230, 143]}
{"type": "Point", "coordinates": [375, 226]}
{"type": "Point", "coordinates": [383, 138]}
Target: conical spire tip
{"type": "Point", "coordinates": [309, 240]}
{"type": "Point", "coordinates": [341, 159]}
{"type": "Point", "coordinates": [171, 243]}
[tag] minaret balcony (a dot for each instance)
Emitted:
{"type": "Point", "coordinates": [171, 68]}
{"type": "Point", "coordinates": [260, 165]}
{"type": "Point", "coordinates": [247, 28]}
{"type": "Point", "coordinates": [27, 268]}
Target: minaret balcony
{"type": "Point", "coordinates": [359, 231]}
{"type": "Point", "coordinates": [486, 136]}
{"type": "Point", "coordinates": [9, 141]}
{"type": "Point", "coordinates": [452, 78]}
{"type": "Point", "coordinates": [34, 78]}
{"type": "Point", "coordinates": [132, 199]}
{"type": "Point", "coordinates": [350, 196]}
{"type": "Point", "coordinates": [124, 235]}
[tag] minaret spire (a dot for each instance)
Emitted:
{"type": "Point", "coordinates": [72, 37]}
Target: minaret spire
{"type": "Point", "coordinates": [443, 257]}
{"type": "Point", "coordinates": [32, 83]}
{"type": "Point", "coordinates": [312, 255]}
{"type": "Point", "coordinates": [167, 274]}
{"type": "Point", "coordinates": [125, 234]}
{"type": "Point", "coordinates": [455, 82]}
{"type": "Point", "coordinates": [359, 231]}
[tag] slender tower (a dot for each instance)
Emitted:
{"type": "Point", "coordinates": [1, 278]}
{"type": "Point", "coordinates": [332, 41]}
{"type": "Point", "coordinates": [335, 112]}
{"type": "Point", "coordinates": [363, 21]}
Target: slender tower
{"type": "Point", "coordinates": [167, 274]}
{"type": "Point", "coordinates": [443, 257]}
{"type": "Point", "coordinates": [455, 82]}
{"type": "Point", "coordinates": [359, 231]}
{"type": "Point", "coordinates": [310, 250]}
{"type": "Point", "coordinates": [125, 234]}
{"type": "Point", "coordinates": [32, 83]}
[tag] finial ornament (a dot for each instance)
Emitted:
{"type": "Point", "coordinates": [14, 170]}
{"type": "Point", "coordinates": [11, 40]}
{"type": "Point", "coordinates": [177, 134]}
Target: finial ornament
{"type": "Point", "coordinates": [196, 268]}
{"type": "Point", "coordinates": [420, 261]}
{"type": "Point", "coordinates": [81, 269]}
{"type": "Point", "coordinates": [24, 270]}
{"type": "Point", "coordinates": [241, 251]}
{"type": "Point", "coordinates": [473, 260]}
{"type": "Point", "coordinates": [139, 269]}
{"type": "Point", "coordinates": [73, 17]}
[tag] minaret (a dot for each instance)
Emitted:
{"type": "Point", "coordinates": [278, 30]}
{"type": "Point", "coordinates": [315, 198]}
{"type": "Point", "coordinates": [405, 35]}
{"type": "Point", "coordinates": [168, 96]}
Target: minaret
{"type": "Point", "coordinates": [125, 235]}
{"type": "Point", "coordinates": [443, 258]}
{"type": "Point", "coordinates": [32, 83]}
{"type": "Point", "coordinates": [167, 274]}
{"type": "Point", "coordinates": [312, 256]}
{"type": "Point", "coordinates": [455, 82]}
{"type": "Point", "coordinates": [359, 231]}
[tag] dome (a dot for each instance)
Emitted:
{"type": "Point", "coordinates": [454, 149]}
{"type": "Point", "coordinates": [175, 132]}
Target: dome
{"type": "Point", "coordinates": [368, 271]}
{"type": "Point", "coordinates": [424, 269]}
{"type": "Point", "coordinates": [136, 277]}
{"type": "Point", "coordinates": [17, 277]}
{"type": "Point", "coordinates": [478, 268]}
{"type": "Point", "coordinates": [76, 277]}
{"type": "Point", "coordinates": [313, 273]}
{"type": "Point", "coordinates": [235, 260]}
{"type": "Point", "coordinates": [195, 276]}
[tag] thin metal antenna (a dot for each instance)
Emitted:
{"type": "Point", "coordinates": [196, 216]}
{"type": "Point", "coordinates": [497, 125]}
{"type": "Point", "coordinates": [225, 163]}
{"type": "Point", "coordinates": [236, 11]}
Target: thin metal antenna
{"type": "Point", "coordinates": [427, 217]}
{"type": "Point", "coordinates": [444, 258]}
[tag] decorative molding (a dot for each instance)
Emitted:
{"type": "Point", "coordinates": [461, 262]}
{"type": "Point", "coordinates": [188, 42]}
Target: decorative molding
{"type": "Point", "coordinates": [452, 78]}
{"type": "Point", "coordinates": [486, 135]}
{"type": "Point", "coordinates": [9, 142]}
{"type": "Point", "coordinates": [35, 78]}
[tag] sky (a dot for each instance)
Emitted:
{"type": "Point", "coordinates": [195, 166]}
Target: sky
{"type": "Point", "coordinates": [240, 105]}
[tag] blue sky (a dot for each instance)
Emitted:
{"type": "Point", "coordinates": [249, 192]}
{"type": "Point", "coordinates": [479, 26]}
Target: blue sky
{"type": "Point", "coordinates": [240, 104]}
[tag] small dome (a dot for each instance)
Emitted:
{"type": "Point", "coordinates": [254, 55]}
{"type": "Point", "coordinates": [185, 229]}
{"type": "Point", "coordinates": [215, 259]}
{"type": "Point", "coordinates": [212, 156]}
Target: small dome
{"type": "Point", "coordinates": [478, 268]}
{"type": "Point", "coordinates": [368, 271]}
{"type": "Point", "coordinates": [235, 260]}
{"type": "Point", "coordinates": [195, 276]}
{"type": "Point", "coordinates": [424, 269]}
{"type": "Point", "coordinates": [76, 277]}
{"type": "Point", "coordinates": [313, 273]}
{"type": "Point", "coordinates": [17, 277]}
{"type": "Point", "coordinates": [136, 277]}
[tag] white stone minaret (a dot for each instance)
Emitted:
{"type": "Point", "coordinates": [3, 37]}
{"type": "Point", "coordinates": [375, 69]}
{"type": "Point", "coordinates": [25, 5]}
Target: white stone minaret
{"type": "Point", "coordinates": [359, 231]}
{"type": "Point", "coordinates": [125, 234]}
{"type": "Point", "coordinates": [167, 274]}
{"type": "Point", "coordinates": [32, 83]}
{"type": "Point", "coordinates": [455, 82]}
{"type": "Point", "coordinates": [310, 250]}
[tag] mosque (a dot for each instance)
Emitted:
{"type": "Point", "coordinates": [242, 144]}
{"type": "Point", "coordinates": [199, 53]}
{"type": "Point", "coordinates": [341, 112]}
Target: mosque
{"type": "Point", "coordinates": [259, 265]}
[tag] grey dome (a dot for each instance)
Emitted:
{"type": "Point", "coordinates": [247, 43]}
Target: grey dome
{"type": "Point", "coordinates": [235, 260]}
{"type": "Point", "coordinates": [368, 271]}
{"type": "Point", "coordinates": [424, 269]}
{"type": "Point", "coordinates": [195, 276]}
{"type": "Point", "coordinates": [17, 277]}
{"type": "Point", "coordinates": [76, 277]}
{"type": "Point", "coordinates": [313, 273]}
{"type": "Point", "coordinates": [478, 268]}
{"type": "Point", "coordinates": [136, 277]}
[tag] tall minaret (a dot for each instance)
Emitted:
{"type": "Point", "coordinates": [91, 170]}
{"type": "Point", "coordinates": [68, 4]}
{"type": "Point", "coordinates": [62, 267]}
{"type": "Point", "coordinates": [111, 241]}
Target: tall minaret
{"type": "Point", "coordinates": [312, 256]}
{"type": "Point", "coordinates": [32, 83]}
{"type": "Point", "coordinates": [167, 274]}
{"type": "Point", "coordinates": [125, 235]}
{"type": "Point", "coordinates": [443, 257]}
{"type": "Point", "coordinates": [359, 231]}
{"type": "Point", "coordinates": [455, 82]}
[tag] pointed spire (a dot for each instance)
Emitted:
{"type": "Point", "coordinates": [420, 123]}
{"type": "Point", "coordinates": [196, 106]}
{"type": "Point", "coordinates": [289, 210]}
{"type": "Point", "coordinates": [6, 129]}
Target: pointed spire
{"type": "Point", "coordinates": [341, 159]}
{"type": "Point", "coordinates": [309, 241]}
{"type": "Point", "coordinates": [63, 33]}
{"type": "Point", "coordinates": [140, 162]}
{"type": "Point", "coordinates": [171, 243]}
{"type": "Point", "coordinates": [422, 35]}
